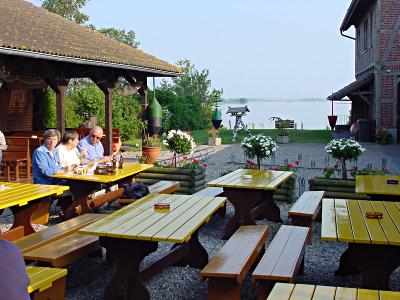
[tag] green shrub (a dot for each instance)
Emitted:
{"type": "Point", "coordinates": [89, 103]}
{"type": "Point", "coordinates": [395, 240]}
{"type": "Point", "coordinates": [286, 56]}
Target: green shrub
{"type": "Point", "coordinates": [383, 137]}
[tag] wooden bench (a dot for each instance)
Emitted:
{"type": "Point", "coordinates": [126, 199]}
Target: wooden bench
{"type": "Point", "coordinates": [213, 191]}
{"type": "Point", "coordinates": [161, 187]}
{"type": "Point", "coordinates": [46, 283]}
{"type": "Point", "coordinates": [305, 211]}
{"type": "Point", "coordinates": [17, 158]}
{"type": "Point", "coordinates": [290, 291]}
{"type": "Point", "coordinates": [228, 268]}
{"type": "Point", "coordinates": [61, 244]}
{"type": "Point", "coordinates": [282, 260]}
{"type": "Point", "coordinates": [288, 124]}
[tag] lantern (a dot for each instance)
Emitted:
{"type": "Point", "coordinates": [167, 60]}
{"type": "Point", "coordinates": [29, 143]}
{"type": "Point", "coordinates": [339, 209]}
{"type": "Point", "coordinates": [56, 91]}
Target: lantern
{"type": "Point", "coordinates": [154, 116]}
{"type": "Point", "coordinates": [216, 118]}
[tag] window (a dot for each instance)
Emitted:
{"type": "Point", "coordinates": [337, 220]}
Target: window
{"type": "Point", "coordinates": [365, 35]}
{"type": "Point", "coordinates": [358, 42]}
{"type": "Point", "coordinates": [371, 28]}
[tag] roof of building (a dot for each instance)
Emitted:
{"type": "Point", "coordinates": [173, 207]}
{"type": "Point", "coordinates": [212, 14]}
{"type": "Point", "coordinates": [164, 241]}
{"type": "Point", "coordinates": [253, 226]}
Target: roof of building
{"type": "Point", "coordinates": [27, 29]}
{"type": "Point", "coordinates": [242, 109]}
{"type": "Point", "coordinates": [355, 12]}
{"type": "Point", "coordinates": [351, 88]}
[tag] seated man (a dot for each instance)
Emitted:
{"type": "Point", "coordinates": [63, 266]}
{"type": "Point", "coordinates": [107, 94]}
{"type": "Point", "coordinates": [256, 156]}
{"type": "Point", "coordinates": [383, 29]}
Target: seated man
{"type": "Point", "coordinates": [14, 281]}
{"type": "Point", "coordinates": [95, 149]}
{"type": "Point", "coordinates": [45, 160]}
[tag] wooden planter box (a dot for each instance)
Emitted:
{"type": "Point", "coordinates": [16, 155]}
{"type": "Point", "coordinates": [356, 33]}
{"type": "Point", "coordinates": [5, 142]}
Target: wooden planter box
{"type": "Point", "coordinates": [286, 191]}
{"type": "Point", "coordinates": [191, 180]}
{"type": "Point", "coordinates": [336, 188]}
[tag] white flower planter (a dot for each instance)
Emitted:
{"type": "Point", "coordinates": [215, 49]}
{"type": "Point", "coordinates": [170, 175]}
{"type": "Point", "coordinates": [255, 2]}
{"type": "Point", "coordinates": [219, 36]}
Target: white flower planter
{"type": "Point", "coordinates": [282, 139]}
{"type": "Point", "coordinates": [214, 141]}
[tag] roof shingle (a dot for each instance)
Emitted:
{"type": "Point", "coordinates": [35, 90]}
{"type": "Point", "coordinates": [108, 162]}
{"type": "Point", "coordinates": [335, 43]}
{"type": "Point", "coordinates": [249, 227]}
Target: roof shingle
{"type": "Point", "coordinates": [30, 28]}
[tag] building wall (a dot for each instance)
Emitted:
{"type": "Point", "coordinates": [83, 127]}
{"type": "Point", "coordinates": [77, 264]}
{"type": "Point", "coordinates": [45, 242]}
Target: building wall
{"type": "Point", "coordinates": [16, 109]}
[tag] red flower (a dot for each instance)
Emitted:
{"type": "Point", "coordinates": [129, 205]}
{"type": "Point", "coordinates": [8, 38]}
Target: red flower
{"type": "Point", "coordinates": [195, 161]}
{"type": "Point", "coordinates": [296, 162]}
{"type": "Point", "coordinates": [185, 158]}
{"type": "Point", "coordinates": [289, 165]}
{"type": "Point", "coordinates": [336, 166]}
{"type": "Point", "coordinates": [204, 166]}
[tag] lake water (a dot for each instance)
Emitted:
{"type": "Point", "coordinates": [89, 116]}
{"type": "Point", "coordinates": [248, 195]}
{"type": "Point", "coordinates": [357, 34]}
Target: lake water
{"type": "Point", "coordinates": [310, 113]}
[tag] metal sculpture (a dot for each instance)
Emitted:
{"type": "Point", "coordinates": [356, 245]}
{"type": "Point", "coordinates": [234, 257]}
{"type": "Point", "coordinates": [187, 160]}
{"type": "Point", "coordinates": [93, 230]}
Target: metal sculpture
{"type": "Point", "coordinates": [238, 113]}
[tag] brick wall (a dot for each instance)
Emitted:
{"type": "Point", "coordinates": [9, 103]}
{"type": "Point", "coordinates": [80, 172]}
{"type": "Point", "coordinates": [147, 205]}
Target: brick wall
{"type": "Point", "coordinates": [16, 109]}
{"type": "Point", "coordinates": [387, 114]}
{"type": "Point", "coordinates": [387, 87]}
{"type": "Point", "coordinates": [390, 12]}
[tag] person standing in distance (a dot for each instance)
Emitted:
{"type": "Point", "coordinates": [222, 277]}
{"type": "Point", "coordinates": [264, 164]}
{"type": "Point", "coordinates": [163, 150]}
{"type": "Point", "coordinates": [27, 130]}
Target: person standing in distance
{"type": "Point", "coordinates": [95, 149]}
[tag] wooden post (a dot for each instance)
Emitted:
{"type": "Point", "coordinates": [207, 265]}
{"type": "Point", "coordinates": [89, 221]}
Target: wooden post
{"type": "Point", "coordinates": [59, 86]}
{"type": "Point", "coordinates": [143, 92]}
{"type": "Point", "coordinates": [108, 120]}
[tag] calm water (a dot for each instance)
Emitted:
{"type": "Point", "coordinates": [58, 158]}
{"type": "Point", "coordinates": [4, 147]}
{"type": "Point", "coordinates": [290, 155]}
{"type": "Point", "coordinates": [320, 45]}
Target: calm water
{"type": "Point", "coordinates": [311, 113]}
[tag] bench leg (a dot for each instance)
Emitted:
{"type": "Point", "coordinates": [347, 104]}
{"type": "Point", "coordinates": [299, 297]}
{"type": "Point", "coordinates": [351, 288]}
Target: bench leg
{"type": "Point", "coordinates": [264, 288]}
{"type": "Point", "coordinates": [222, 288]}
{"type": "Point", "coordinates": [55, 292]}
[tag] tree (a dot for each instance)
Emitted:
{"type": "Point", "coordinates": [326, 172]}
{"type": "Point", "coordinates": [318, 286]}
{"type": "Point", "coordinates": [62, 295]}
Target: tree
{"type": "Point", "coordinates": [68, 9]}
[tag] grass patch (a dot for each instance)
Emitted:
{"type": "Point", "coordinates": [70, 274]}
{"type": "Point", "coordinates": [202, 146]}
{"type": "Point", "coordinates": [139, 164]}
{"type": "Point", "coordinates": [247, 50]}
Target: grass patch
{"type": "Point", "coordinates": [296, 135]}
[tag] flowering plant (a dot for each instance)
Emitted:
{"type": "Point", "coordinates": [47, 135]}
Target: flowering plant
{"type": "Point", "coordinates": [250, 165]}
{"type": "Point", "coordinates": [152, 141]}
{"type": "Point", "coordinates": [288, 167]}
{"type": "Point", "coordinates": [366, 171]}
{"type": "Point", "coordinates": [192, 164]}
{"type": "Point", "coordinates": [213, 133]}
{"type": "Point", "coordinates": [330, 171]}
{"type": "Point", "coordinates": [179, 142]}
{"type": "Point", "coordinates": [259, 146]}
{"type": "Point", "coordinates": [383, 136]}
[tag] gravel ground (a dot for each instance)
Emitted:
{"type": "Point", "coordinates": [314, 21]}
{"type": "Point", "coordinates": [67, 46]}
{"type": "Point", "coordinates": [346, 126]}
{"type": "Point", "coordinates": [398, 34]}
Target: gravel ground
{"type": "Point", "coordinates": [88, 277]}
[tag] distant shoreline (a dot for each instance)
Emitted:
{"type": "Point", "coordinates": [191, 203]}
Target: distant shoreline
{"type": "Point", "coordinates": [245, 100]}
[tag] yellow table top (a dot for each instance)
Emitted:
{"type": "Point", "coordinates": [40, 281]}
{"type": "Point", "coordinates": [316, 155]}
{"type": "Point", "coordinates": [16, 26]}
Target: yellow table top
{"type": "Point", "coordinates": [128, 170]}
{"type": "Point", "coordinates": [377, 184]}
{"type": "Point", "coordinates": [140, 221]}
{"type": "Point", "coordinates": [345, 220]}
{"type": "Point", "coordinates": [290, 291]}
{"type": "Point", "coordinates": [21, 193]}
{"type": "Point", "coordinates": [259, 179]}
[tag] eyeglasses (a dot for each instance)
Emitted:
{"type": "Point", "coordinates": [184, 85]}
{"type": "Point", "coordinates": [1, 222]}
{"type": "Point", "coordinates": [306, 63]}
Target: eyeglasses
{"type": "Point", "coordinates": [96, 137]}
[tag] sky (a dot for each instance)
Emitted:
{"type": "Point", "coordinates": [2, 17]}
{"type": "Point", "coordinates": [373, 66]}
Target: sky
{"type": "Point", "coordinates": [267, 49]}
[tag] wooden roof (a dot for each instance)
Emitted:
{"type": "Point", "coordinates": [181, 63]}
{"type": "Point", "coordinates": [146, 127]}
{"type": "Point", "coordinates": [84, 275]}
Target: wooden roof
{"type": "Point", "coordinates": [355, 12]}
{"type": "Point", "coordinates": [353, 87]}
{"type": "Point", "coordinates": [28, 29]}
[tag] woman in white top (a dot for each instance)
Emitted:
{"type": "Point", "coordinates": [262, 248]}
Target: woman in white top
{"type": "Point", "coordinates": [67, 150]}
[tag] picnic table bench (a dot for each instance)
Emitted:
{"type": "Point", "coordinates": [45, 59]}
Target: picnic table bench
{"type": "Point", "coordinates": [288, 124]}
{"type": "Point", "coordinates": [61, 244]}
{"type": "Point", "coordinates": [283, 259]}
{"type": "Point", "coordinates": [288, 291]}
{"type": "Point", "coordinates": [305, 210]}
{"type": "Point", "coordinates": [228, 268]}
{"type": "Point", "coordinates": [46, 283]}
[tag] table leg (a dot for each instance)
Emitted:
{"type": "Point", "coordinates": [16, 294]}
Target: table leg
{"type": "Point", "coordinates": [249, 204]}
{"type": "Point", "coordinates": [197, 256]}
{"type": "Point", "coordinates": [23, 215]}
{"type": "Point", "coordinates": [128, 254]}
{"type": "Point", "coordinates": [77, 204]}
{"type": "Point", "coordinates": [375, 263]}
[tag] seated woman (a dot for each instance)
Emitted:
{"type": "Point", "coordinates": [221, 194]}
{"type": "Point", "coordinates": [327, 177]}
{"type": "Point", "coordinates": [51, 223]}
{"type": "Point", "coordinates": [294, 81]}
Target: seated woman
{"type": "Point", "coordinates": [45, 160]}
{"type": "Point", "coordinates": [68, 151]}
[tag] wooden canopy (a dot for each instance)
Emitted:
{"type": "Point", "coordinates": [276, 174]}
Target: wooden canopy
{"type": "Point", "coordinates": [44, 48]}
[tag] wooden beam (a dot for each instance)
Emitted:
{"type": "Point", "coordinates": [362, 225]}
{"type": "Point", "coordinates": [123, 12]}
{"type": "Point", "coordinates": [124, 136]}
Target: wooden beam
{"type": "Point", "coordinates": [59, 86]}
{"type": "Point", "coordinates": [143, 92]}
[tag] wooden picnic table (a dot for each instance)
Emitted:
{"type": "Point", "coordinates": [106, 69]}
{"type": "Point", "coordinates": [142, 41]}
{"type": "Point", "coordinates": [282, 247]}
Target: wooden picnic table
{"type": "Point", "coordinates": [251, 197]}
{"type": "Point", "coordinates": [29, 202]}
{"type": "Point", "coordinates": [378, 188]}
{"type": "Point", "coordinates": [83, 185]}
{"type": "Point", "coordinates": [373, 244]}
{"type": "Point", "coordinates": [133, 232]}
{"type": "Point", "coordinates": [290, 291]}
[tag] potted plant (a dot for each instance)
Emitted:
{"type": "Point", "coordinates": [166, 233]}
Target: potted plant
{"type": "Point", "coordinates": [213, 139]}
{"type": "Point", "coordinates": [344, 149]}
{"type": "Point", "coordinates": [258, 146]}
{"type": "Point", "coordinates": [151, 149]}
{"type": "Point", "coordinates": [178, 142]}
{"type": "Point", "coordinates": [282, 130]}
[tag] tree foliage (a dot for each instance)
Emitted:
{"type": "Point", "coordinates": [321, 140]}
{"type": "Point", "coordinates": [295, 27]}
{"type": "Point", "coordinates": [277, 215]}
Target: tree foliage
{"type": "Point", "coordinates": [69, 9]}
{"type": "Point", "coordinates": [121, 35]}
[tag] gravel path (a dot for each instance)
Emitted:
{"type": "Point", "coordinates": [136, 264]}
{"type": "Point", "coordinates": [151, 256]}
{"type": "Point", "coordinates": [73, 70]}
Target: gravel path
{"type": "Point", "coordinates": [88, 277]}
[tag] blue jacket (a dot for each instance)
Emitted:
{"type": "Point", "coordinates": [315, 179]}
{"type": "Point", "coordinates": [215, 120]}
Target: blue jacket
{"type": "Point", "coordinates": [44, 165]}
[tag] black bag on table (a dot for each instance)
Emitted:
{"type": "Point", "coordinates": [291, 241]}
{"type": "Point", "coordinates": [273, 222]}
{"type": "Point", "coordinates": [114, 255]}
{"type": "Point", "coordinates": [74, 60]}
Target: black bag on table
{"type": "Point", "coordinates": [135, 190]}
